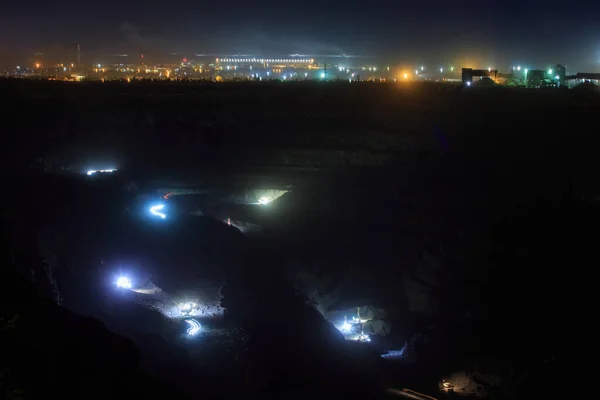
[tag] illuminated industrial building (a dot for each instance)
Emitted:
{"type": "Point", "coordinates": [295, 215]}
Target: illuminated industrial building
{"type": "Point", "coordinates": [581, 78]}
{"type": "Point", "coordinates": [469, 73]}
{"type": "Point", "coordinates": [261, 68]}
{"type": "Point", "coordinates": [282, 61]}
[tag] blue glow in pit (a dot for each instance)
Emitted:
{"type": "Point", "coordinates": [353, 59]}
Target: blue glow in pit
{"type": "Point", "coordinates": [155, 210]}
{"type": "Point", "coordinates": [188, 309]}
{"type": "Point", "coordinates": [352, 330]}
{"type": "Point", "coordinates": [393, 354]}
{"type": "Point", "coordinates": [362, 338]}
{"type": "Point", "coordinates": [124, 282]}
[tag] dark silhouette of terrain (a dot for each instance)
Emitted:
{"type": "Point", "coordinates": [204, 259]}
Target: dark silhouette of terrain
{"type": "Point", "coordinates": [464, 214]}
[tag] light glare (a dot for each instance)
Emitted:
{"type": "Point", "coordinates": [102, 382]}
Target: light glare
{"type": "Point", "coordinates": [346, 327]}
{"type": "Point", "coordinates": [124, 282]}
{"type": "Point", "coordinates": [264, 200]}
{"type": "Point", "coordinates": [93, 171]}
{"type": "Point", "coordinates": [194, 327]}
{"type": "Point", "coordinates": [154, 210]}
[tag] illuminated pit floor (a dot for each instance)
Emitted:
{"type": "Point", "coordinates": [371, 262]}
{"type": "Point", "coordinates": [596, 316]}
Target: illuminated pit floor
{"type": "Point", "coordinates": [176, 307]}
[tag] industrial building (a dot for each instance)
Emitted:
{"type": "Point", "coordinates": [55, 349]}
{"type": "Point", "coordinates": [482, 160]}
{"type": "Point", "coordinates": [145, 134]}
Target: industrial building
{"type": "Point", "coordinates": [470, 75]}
{"type": "Point", "coordinates": [582, 78]}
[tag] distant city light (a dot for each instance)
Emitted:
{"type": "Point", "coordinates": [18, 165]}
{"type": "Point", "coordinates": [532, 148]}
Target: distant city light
{"type": "Point", "coordinates": [526, 71]}
{"type": "Point", "coordinates": [305, 74]}
{"type": "Point", "coordinates": [416, 72]}
{"type": "Point", "coordinates": [557, 77]}
{"type": "Point", "coordinates": [422, 68]}
{"type": "Point", "coordinates": [550, 71]}
{"type": "Point", "coordinates": [441, 70]}
{"type": "Point", "coordinates": [268, 60]}
{"type": "Point", "coordinates": [322, 75]}
{"type": "Point", "coordinates": [489, 69]}
{"type": "Point", "coordinates": [518, 68]}
{"type": "Point", "coordinates": [405, 76]}
{"type": "Point", "coordinates": [374, 69]}
{"type": "Point", "coordinates": [468, 83]}
{"type": "Point", "coordinates": [451, 69]}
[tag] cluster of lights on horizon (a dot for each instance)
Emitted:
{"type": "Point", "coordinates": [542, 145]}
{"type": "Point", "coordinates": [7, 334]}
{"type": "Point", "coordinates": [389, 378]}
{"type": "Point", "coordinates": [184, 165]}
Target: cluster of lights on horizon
{"type": "Point", "coordinates": [268, 60]}
{"type": "Point", "coordinates": [441, 72]}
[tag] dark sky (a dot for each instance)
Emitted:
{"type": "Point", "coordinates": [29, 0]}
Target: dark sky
{"type": "Point", "coordinates": [499, 34]}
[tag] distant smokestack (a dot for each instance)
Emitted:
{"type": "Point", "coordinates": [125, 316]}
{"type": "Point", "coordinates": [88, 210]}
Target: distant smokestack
{"type": "Point", "coordinates": [78, 56]}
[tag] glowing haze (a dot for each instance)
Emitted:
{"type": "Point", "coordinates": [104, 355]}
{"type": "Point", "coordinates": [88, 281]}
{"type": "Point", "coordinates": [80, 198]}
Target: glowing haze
{"type": "Point", "coordinates": [435, 32]}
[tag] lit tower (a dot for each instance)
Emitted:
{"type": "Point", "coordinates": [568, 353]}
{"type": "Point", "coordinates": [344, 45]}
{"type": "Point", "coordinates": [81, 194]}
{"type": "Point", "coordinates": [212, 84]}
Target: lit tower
{"type": "Point", "coordinates": [78, 56]}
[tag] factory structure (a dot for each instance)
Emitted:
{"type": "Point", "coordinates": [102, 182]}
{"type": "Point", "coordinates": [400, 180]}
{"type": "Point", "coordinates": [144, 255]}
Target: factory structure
{"type": "Point", "coordinates": [554, 77]}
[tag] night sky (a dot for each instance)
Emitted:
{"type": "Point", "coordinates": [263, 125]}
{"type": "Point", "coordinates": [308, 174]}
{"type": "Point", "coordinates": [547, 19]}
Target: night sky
{"type": "Point", "coordinates": [499, 34]}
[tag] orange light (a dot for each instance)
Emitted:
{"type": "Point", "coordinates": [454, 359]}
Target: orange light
{"type": "Point", "coordinates": [37, 65]}
{"type": "Point", "coordinates": [405, 76]}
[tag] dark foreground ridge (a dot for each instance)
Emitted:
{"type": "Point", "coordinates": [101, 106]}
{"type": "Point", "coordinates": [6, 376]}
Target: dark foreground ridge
{"type": "Point", "coordinates": [48, 351]}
